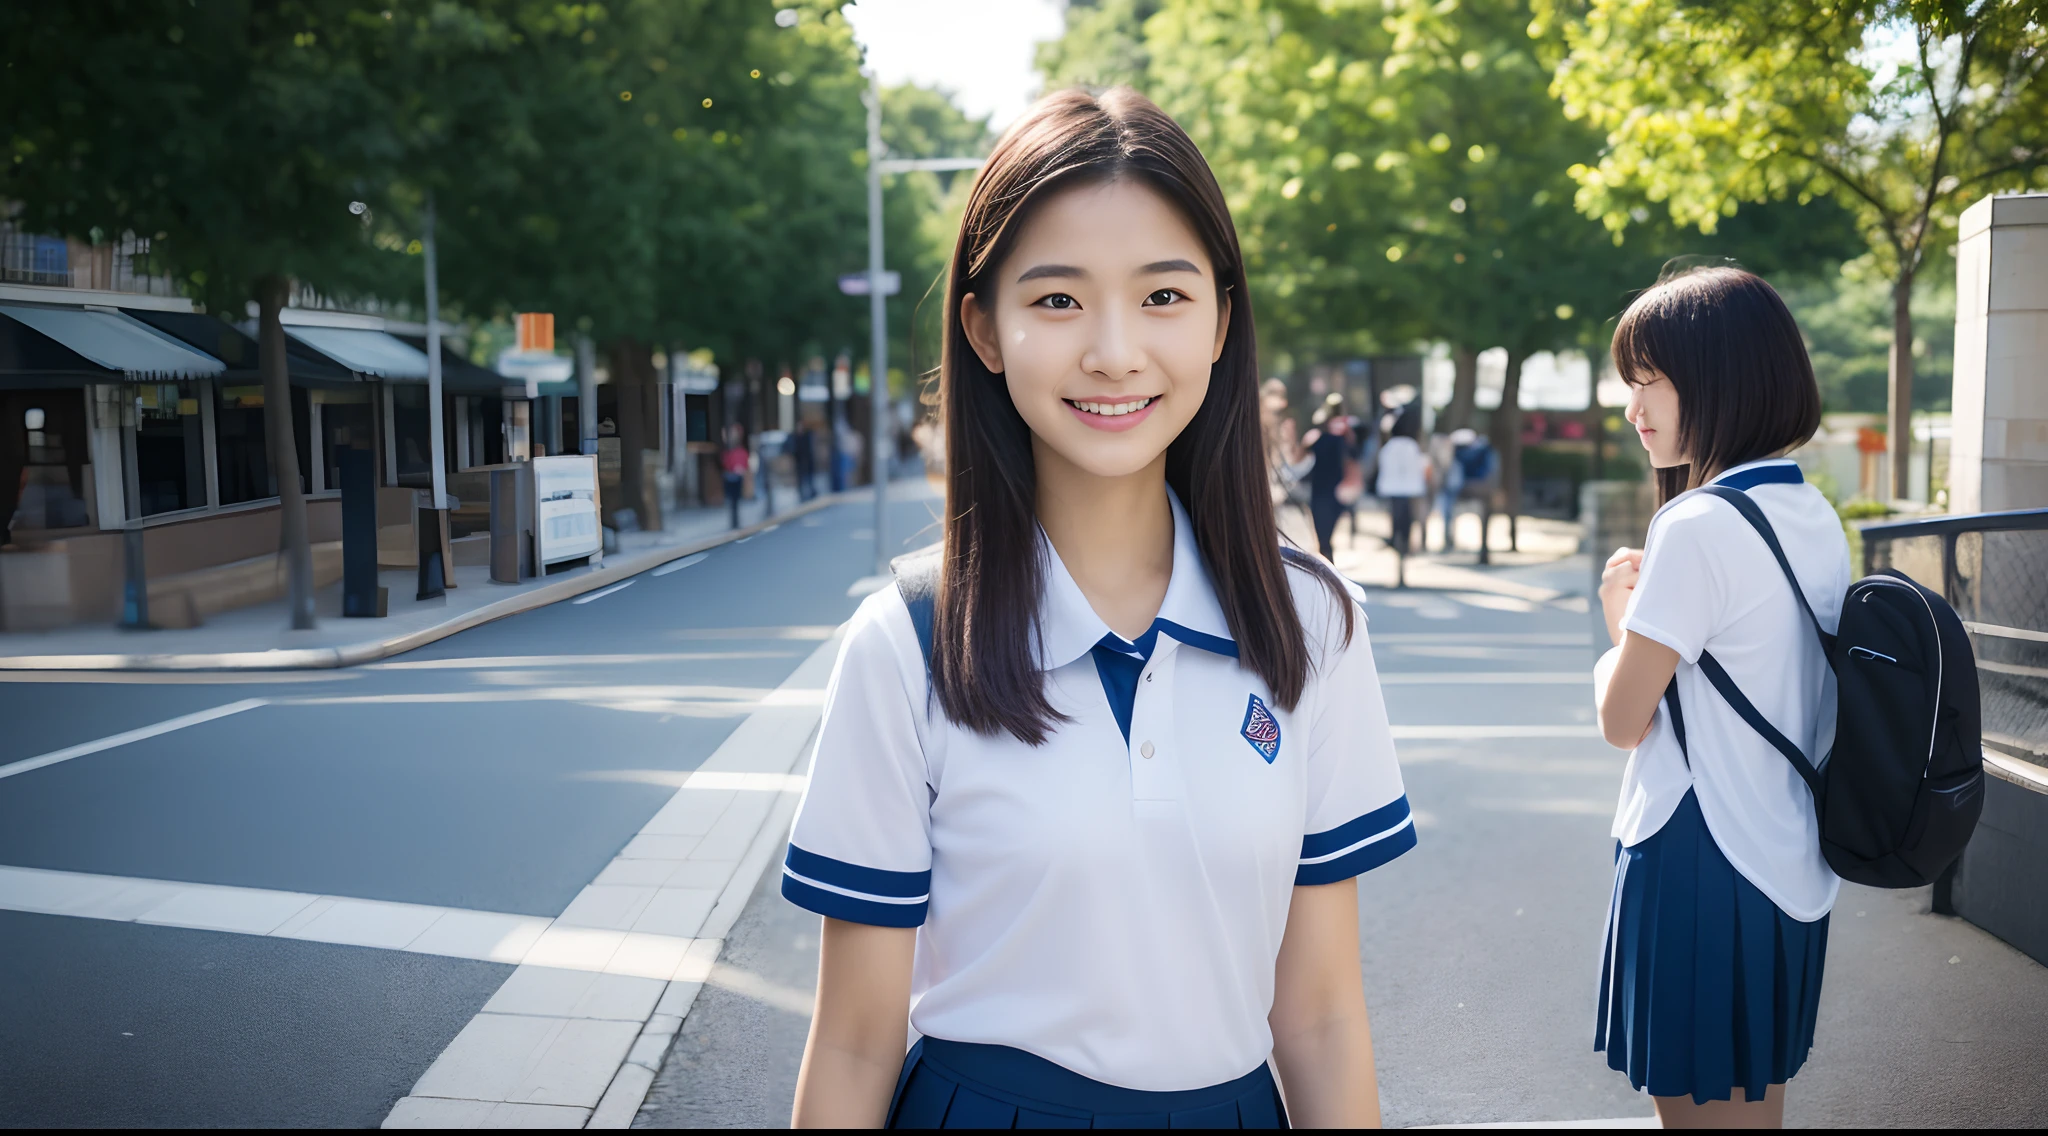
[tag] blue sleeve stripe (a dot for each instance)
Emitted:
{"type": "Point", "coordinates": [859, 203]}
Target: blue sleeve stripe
{"type": "Point", "coordinates": [833, 905]}
{"type": "Point", "coordinates": [1319, 844]}
{"type": "Point", "coordinates": [853, 877]}
{"type": "Point", "coordinates": [1357, 862]}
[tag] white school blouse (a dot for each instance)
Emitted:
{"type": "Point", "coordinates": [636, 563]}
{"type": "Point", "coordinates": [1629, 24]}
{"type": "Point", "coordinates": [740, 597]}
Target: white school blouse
{"type": "Point", "coordinates": [1710, 583]}
{"type": "Point", "coordinates": [1112, 901]}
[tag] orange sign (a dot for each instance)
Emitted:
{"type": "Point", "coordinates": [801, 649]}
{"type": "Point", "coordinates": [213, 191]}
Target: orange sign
{"type": "Point", "coordinates": [1870, 441]}
{"type": "Point", "coordinates": [536, 331]}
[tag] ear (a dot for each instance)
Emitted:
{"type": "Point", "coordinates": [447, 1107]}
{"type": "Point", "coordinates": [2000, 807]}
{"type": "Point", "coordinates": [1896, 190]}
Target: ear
{"type": "Point", "coordinates": [1222, 325]}
{"type": "Point", "coordinates": [980, 325]}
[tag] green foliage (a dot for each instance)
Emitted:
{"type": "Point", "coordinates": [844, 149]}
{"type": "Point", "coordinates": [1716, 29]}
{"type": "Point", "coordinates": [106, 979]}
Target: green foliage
{"type": "Point", "coordinates": [1846, 320]}
{"type": "Point", "coordinates": [1104, 45]}
{"type": "Point", "coordinates": [1902, 111]}
{"type": "Point", "coordinates": [232, 134]}
{"type": "Point", "coordinates": [921, 216]}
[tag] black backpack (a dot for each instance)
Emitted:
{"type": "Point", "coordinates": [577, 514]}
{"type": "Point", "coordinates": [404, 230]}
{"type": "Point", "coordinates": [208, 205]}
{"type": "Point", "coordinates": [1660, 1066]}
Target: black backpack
{"type": "Point", "coordinates": [1900, 793]}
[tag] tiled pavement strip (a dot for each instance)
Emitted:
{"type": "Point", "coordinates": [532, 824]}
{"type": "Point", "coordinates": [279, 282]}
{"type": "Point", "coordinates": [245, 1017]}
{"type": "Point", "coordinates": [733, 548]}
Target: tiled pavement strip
{"type": "Point", "coordinates": [576, 1034]}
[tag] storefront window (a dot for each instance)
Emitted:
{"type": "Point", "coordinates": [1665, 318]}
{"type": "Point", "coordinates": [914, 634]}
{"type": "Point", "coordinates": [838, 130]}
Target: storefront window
{"type": "Point", "coordinates": [345, 423]}
{"type": "Point", "coordinates": [243, 453]}
{"type": "Point", "coordinates": [170, 449]}
{"type": "Point", "coordinates": [411, 434]}
{"type": "Point", "coordinates": [43, 468]}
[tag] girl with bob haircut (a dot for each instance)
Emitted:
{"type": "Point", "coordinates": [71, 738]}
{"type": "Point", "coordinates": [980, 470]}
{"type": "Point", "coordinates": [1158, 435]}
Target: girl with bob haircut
{"type": "Point", "coordinates": [1095, 780]}
{"type": "Point", "coordinates": [1718, 925]}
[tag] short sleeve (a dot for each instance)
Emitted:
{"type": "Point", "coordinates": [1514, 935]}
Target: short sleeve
{"type": "Point", "coordinates": [860, 849]}
{"type": "Point", "coordinates": [1678, 598]}
{"type": "Point", "coordinates": [1357, 814]}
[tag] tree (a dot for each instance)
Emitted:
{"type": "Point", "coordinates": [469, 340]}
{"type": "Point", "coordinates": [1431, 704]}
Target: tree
{"type": "Point", "coordinates": [921, 213]}
{"type": "Point", "coordinates": [1903, 111]}
{"type": "Point", "coordinates": [234, 136]}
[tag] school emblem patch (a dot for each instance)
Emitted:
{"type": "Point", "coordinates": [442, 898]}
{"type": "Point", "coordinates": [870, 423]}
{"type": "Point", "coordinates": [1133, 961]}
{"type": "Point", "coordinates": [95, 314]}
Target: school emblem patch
{"type": "Point", "coordinates": [1261, 729]}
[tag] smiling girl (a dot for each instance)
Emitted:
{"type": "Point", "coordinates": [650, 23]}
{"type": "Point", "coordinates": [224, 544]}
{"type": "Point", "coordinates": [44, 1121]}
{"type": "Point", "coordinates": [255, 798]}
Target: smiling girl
{"type": "Point", "coordinates": [1092, 787]}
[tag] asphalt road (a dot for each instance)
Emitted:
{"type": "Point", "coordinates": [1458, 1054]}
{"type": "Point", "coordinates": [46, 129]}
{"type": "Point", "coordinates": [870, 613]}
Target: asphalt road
{"type": "Point", "coordinates": [500, 769]}
{"type": "Point", "coordinates": [1481, 948]}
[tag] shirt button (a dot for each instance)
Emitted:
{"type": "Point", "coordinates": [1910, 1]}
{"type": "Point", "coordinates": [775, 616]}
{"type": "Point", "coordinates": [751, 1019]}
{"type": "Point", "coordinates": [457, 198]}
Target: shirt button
{"type": "Point", "coordinates": [1145, 750]}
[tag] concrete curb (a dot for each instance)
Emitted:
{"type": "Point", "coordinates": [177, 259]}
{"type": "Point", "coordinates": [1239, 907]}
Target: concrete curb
{"type": "Point", "coordinates": [616, 568]}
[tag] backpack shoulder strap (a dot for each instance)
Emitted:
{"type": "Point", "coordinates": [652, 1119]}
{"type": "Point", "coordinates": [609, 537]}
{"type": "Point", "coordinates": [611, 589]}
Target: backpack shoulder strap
{"type": "Point", "coordinates": [917, 579]}
{"type": "Point", "coordinates": [1755, 516]}
{"type": "Point", "coordinates": [1723, 682]}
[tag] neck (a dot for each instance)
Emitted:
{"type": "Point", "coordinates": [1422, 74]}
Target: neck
{"type": "Point", "coordinates": [1113, 534]}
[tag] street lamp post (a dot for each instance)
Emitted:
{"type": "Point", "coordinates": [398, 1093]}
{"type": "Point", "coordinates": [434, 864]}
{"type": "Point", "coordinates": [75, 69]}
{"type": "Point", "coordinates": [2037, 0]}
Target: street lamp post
{"type": "Point", "coordinates": [434, 568]}
{"type": "Point", "coordinates": [878, 343]}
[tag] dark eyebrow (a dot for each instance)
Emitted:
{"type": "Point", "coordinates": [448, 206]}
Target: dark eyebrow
{"type": "Point", "coordinates": [1043, 270]}
{"type": "Point", "coordinates": [1169, 266]}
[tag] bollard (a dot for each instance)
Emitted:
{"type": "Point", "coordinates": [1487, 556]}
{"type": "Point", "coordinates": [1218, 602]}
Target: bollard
{"type": "Point", "coordinates": [361, 598]}
{"type": "Point", "coordinates": [505, 533]}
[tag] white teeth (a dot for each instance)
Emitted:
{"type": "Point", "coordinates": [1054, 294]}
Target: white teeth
{"type": "Point", "coordinates": [1112, 409]}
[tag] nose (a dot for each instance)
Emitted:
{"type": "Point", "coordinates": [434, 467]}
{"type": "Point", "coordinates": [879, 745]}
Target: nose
{"type": "Point", "coordinates": [1634, 409]}
{"type": "Point", "coordinates": [1114, 351]}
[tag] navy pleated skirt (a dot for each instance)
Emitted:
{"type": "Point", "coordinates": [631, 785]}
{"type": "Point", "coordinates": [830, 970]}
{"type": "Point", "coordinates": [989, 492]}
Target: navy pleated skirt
{"type": "Point", "coordinates": [1706, 984]}
{"type": "Point", "coordinates": [952, 1084]}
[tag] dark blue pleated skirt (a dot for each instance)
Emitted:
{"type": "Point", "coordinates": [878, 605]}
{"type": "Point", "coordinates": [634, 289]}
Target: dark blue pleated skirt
{"type": "Point", "coordinates": [952, 1084]}
{"type": "Point", "coordinates": [1706, 984]}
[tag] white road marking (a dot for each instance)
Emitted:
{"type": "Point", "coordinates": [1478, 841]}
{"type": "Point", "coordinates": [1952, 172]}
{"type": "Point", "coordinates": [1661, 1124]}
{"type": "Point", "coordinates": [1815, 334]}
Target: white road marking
{"type": "Point", "coordinates": [486, 936]}
{"type": "Point", "coordinates": [511, 662]}
{"type": "Point", "coordinates": [146, 732]}
{"type": "Point", "coordinates": [679, 565]}
{"type": "Point", "coordinates": [1485, 733]}
{"type": "Point", "coordinates": [661, 910]}
{"type": "Point", "coordinates": [1489, 678]}
{"type": "Point", "coordinates": [603, 592]}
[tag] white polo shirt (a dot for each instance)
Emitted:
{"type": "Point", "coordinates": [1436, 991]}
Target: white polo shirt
{"type": "Point", "coordinates": [1710, 583]}
{"type": "Point", "coordinates": [1112, 901]}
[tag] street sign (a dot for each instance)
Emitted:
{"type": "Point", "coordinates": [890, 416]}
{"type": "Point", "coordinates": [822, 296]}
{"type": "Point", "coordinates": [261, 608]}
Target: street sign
{"type": "Point", "coordinates": [856, 283]}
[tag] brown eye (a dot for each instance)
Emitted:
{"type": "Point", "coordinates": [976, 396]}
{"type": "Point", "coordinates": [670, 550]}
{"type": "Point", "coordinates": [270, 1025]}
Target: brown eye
{"type": "Point", "coordinates": [1059, 302]}
{"type": "Point", "coordinates": [1163, 297]}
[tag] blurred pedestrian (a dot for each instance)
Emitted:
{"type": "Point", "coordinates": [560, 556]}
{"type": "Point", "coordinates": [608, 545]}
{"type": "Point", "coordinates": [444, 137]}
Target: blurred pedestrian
{"type": "Point", "coordinates": [1449, 480]}
{"type": "Point", "coordinates": [733, 461]}
{"type": "Point", "coordinates": [1403, 477]}
{"type": "Point", "coordinates": [1332, 445]}
{"type": "Point", "coordinates": [803, 450]}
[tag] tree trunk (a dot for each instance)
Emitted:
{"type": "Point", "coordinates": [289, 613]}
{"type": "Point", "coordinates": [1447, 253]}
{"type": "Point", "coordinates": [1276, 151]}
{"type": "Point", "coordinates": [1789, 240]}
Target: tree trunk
{"type": "Point", "coordinates": [1900, 442]}
{"type": "Point", "coordinates": [271, 292]}
{"type": "Point", "coordinates": [1464, 388]}
{"type": "Point", "coordinates": [633, 379]}
{"type": "Point", "coordinates": [1507, 442]}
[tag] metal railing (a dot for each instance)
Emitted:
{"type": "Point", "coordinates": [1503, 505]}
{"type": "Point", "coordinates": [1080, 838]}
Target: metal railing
{"type": "Point", "coordinates": [1993, 568]}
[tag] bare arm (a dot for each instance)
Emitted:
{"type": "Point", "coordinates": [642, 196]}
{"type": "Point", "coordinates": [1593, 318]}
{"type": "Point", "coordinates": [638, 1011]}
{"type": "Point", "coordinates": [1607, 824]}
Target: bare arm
{"type": "Point", "coordinates": [859, 1028]}
{"type": "Point", "coordinates": [1322, 1040]}
{"type": "Point", "coordinates": [1628, 701]}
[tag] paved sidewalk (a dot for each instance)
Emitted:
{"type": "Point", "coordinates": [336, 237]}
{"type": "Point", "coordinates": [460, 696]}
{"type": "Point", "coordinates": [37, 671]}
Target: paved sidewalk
{"type": "Point", "coordinates": [257, 638]}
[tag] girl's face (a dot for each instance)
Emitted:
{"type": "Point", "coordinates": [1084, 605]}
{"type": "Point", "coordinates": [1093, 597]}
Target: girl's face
{"type": "Point", "coordinates": [1105, 321]}
{"type": "Point", "coordinates": [1653, 411]}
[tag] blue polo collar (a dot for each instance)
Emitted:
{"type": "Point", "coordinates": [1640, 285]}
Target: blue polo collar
{"type": "Point", "coordinates": [1770, 471]}
{"type": "Point", "coordinates": [1190, 614]}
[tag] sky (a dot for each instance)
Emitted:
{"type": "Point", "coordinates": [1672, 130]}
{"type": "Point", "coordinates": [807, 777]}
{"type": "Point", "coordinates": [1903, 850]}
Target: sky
{"type": "Point", "coordinates": [980, 50]}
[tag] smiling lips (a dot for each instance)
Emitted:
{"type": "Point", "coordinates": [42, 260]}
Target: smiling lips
{"type": "Point", "coordinates": [1103, 415]}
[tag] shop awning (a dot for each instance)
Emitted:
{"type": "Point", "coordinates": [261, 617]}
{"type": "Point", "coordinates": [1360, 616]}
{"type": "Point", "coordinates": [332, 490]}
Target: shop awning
{"type": "Point", "coordinates": [229, 344]}
{"type": "Point", "coordinates": [460, 376]}
{"type": "Point", "coordinates": [363, 351]}
{"type": "Point", "coordinates": [116, 342]}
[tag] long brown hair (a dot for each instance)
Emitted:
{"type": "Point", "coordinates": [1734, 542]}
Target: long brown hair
{"type": "Point", "coordinates": [985, 624]}
{"type": "Point", "coordinates": [1733, 353]}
